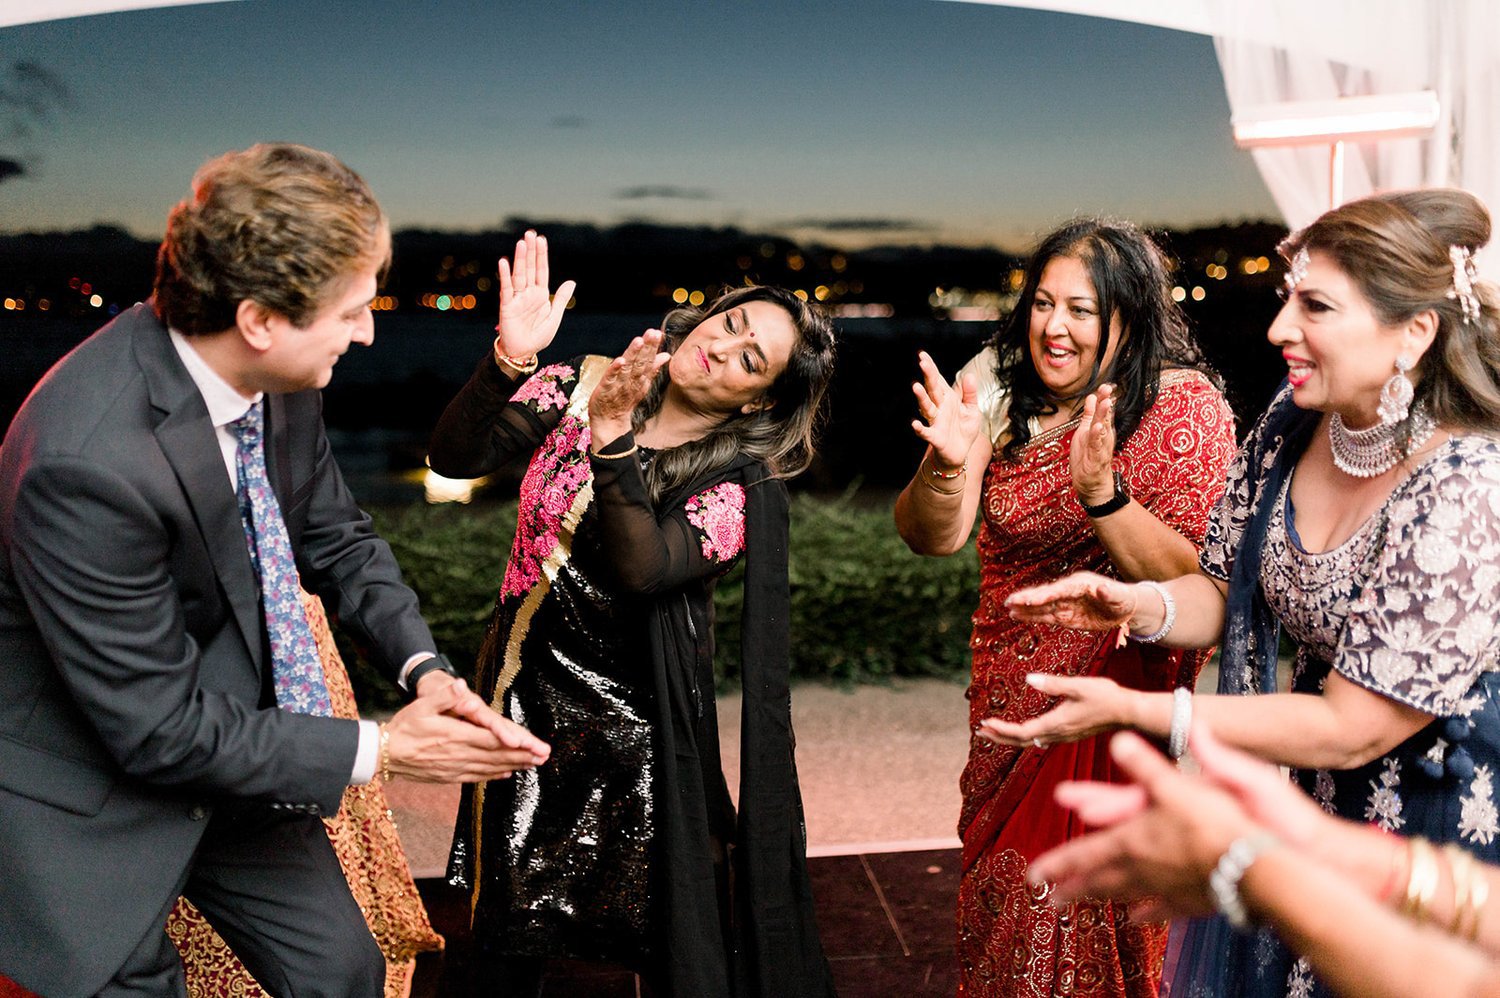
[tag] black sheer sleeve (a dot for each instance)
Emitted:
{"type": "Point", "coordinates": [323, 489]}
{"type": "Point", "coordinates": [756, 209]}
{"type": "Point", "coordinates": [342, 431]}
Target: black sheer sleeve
{"type": "Point", "coordinates": [493, 419]}
{"type": "Point", "coordinates": [701, 537]}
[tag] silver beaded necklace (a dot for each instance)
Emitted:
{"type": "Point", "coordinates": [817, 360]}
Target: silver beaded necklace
{"type": "Point", "coordinates": [1373, 451]}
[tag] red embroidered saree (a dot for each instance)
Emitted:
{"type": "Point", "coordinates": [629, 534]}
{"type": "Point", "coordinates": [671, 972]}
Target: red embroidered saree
{"type": "Point", "coordinates": [1011, 940]}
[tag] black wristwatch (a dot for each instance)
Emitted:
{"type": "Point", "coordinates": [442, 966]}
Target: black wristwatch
{"type": "Point", "coordinates": [1113, 504]}
{"type": "Point", "coordinates": [438, 663]}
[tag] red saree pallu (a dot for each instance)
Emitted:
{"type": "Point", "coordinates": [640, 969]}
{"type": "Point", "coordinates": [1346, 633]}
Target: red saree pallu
{"type": "Point", "coordinates": [1012, 940]}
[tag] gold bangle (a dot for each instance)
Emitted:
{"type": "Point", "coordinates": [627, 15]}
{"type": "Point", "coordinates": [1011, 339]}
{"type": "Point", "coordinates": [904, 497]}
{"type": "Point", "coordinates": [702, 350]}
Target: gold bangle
{"type": "Point", "coordinates": [1461, 869]}
{"type": "Point", "coordinates": [615, 457]}
{"type": "Point", "coordinates": [1422, 882]}
{"type": "Point", "coordinates": [942, 492]}
{"type": "Point", "coordinates": [385, 754]}
{"type": "Point", "coordinates": [947, 476]}
{"type": "Point", "coordinates": [1479, 895]}
{"type": "Point", "coordinates": [521, 365]}
{"type": "Point", "coordinates": [1471, 891]}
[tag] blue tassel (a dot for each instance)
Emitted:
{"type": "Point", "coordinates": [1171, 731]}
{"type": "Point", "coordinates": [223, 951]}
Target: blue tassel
{"type": "Point", "coordinates": [1456, 729]}
{"type": "Point", "coordinates": [1460, 764]}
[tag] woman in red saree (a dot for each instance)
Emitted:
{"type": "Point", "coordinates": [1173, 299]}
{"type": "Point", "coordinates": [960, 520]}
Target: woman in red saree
{"type": "Point", "coordinates": [1094, 440]}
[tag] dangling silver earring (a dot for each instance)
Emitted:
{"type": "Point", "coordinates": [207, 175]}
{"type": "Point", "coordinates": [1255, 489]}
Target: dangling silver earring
{"type": "Point", "coordinates": [1396, 394]}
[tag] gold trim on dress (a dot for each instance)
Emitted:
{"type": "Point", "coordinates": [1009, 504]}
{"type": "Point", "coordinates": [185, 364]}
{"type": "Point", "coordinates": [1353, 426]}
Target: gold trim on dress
{"type": "Point", "coordinates": [589, 375]}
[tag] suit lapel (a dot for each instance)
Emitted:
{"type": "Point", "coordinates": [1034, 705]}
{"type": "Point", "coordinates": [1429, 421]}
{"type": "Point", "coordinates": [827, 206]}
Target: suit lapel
{"type": "Point", "coordinates": [187, 439]}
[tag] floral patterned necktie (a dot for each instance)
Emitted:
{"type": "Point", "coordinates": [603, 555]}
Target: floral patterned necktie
{"type": "Point", "coordinates": [296, 670]}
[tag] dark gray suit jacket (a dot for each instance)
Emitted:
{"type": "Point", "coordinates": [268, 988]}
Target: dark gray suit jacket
{"type": "Point", "coordinates": [132, 661]}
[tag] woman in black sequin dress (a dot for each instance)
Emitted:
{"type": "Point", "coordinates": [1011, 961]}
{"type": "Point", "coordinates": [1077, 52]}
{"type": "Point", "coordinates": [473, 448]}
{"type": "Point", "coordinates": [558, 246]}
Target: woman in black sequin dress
{"type": "Point", "coordinates": [650, 476]}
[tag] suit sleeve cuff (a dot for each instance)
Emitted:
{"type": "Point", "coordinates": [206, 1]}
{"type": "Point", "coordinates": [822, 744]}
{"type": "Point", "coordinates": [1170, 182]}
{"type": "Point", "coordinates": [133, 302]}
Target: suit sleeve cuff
{"type": "Point", "coordinates": [367, 756]}
{"type": "Point", "coordinates": [410, 664]}
{"type": "Point", "coordinates": [420, 665]}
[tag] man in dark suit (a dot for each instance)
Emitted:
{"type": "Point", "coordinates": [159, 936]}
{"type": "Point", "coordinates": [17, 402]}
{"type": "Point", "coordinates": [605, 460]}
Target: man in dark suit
{"type": "Point", "coordinates": [161, 492]}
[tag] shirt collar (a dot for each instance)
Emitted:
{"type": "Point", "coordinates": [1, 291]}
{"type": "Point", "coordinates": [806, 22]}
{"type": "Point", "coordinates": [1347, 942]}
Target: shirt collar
{"type": "Point", "coordinates": [225, 405]}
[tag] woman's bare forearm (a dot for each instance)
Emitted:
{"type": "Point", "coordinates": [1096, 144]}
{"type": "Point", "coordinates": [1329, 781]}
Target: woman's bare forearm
{"type": "Point", "coordinates": [1344, 727]}
{"type": "Point", "coordinates": [1142, 546]}
{"type": "Point", "coordinates": [935, 515]}
{"type": "Point", "coordinates": [1353, 942]}
{"type": "Point", "coordinates": [1199, 602]}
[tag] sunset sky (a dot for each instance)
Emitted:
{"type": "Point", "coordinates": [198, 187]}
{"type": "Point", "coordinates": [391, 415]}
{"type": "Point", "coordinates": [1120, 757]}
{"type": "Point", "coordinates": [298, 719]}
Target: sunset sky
{"type": "Point", "coordinates": [847, 122]}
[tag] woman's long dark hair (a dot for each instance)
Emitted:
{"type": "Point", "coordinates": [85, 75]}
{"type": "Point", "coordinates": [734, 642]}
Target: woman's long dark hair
{"type": "Point", "coordinates": [1131, 284]}
{"type": "Point", "coordinates": [782, 433]}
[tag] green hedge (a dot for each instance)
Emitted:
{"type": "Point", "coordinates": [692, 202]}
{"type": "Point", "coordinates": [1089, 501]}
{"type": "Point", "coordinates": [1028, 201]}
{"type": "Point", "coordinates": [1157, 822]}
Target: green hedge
{"type": "Point", "coordinates": [864, 608]}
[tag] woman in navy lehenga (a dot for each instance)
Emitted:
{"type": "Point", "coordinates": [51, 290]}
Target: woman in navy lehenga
{"type": "Point", "coordinates": [1362, 519]}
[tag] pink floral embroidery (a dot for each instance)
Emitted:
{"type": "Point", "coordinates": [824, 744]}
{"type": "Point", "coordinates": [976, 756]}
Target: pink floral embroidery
{"type": "Point", "coordinates": [541, 389]}
{"type": "Point", "coordinates": [553, 479]}
{"type": "Point", "coordinates": [719, 515]}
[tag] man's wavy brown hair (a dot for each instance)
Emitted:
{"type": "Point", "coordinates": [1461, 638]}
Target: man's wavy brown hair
{"type": "Point", "coordinates": [278, 224]}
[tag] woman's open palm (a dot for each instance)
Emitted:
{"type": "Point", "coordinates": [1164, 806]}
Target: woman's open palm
{"type": "Point", "coordinates": [625, 384]}
{"type": "Point", "coordinates": [1083, 601]}
{"type": "Point", "coordinates": [529, 314]}
{"type": "Point", "coordinates": [950, 416]}
{"type": "Point", "coordinates": [1092, 453]}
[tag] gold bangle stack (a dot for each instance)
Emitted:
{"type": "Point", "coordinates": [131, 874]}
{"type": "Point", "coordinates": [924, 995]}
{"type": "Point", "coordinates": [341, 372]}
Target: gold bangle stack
{"type": "Point", "coordinates": [1471, 890]}
{"type": "Point", "coordinates": [385, 755]}
{"type": "Point", "coordinates": [931, 475]}
{"type": "Point", "coordinates": [1421, 880]}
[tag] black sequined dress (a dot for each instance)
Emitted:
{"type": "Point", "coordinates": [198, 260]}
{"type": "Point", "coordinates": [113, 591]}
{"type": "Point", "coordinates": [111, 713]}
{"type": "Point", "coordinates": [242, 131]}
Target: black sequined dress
{"type": "Point", "coordinates": [601, 643]}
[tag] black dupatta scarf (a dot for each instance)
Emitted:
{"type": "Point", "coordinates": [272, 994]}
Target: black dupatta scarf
{"type": "Point", "coordinates": [764, 943]}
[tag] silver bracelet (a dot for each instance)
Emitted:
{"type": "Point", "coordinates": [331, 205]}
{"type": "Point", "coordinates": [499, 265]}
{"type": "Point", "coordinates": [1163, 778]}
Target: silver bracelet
{"type": "Point", "coordinates": [1182, 720]}
{"type": "Point", "coordinates": [1169, 606]}
{"type": "Point", "coordinates": [1224, 881]}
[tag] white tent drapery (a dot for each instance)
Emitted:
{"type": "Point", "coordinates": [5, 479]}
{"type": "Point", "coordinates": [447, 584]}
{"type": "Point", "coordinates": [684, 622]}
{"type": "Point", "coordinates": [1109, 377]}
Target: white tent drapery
{"type": "Point", "coordinates": [1274, 51]}
{"type": "Point", "coordinates": [28, 11]}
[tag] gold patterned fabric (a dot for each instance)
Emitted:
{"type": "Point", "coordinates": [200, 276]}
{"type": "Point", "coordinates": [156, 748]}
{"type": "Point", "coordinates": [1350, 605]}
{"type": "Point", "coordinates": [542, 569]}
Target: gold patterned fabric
{"type": "Point", "coordinates": [364, 836]}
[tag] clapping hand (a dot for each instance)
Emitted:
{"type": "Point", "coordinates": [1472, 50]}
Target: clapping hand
{"type": "Point", "coordinates": [950, 417]}
{"type": "Point", "coordinates": [624, 385]}
{"type": "Point", "coordinates": [1083, 601]}
{"type": "Point", "coordinates": [1162, 834]}
{"type": "Point", "coordinates": [449, 735]}
{"type": "Point", "coordinates": [529, 315]}
{"type": "Point", "coordinates": [1087, 705]}
{"type": "Point", "coordinates": [1091, 456]}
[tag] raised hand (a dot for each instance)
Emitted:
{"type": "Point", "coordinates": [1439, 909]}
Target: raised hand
{"type": "Point", "coordinates": [950, 418]}
{"type": "Point", "coordinates": [1083, 601]}
{"type": "Point", "coordinates": [624, 385]}
{"type": "Point", "coordinates": [1087, 705]}
{"type": "Point", "coordinates": [529, 315]}
{"type": "Point", "coordinates": [1091, 455]}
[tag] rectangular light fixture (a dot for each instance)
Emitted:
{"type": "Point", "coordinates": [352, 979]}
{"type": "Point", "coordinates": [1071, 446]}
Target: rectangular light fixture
{"type": "Point", "coordinates": [1346, 119]}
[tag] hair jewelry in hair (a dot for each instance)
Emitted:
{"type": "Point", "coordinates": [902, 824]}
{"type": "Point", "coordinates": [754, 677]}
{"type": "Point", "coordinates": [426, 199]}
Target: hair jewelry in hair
{"type": "Point", "coordinates": [1296, 269]}
{"type": "Point", "coordinates": [1464, 273]}
{"type": "Point", "coordinates": [1373, 451]}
